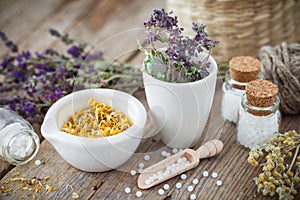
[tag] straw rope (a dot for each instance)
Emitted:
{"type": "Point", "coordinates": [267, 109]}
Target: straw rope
{"type": "Point", "coordinates": [242, 27]}
{"type": "Point", "coordinates": [281, 65]}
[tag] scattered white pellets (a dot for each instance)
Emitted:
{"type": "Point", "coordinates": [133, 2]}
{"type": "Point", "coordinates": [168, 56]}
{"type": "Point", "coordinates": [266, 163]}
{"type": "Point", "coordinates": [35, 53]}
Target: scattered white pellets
{"type": "Point", "coordinates": [195, 181]}
{"type": "Point", "coordinates": [37, 162]}
{"type": "Point", "coordinates": [193, 197]}
{"type": "Point", "coordinates": [190, 188]}
{"type": "Point", "coordinates": [170, 168]}
{"type": "Point", "coordinates": [219, 183]}
{"type": "Point", "coordinates": [205, 174]}
{"type": "Point", "coordinates": [146, 157]}
{"type": "Point", "coordinates": [127, 190]}
{"type": "Point", "coordinates": [161, 192]}
{"type": "Point", "coordinates": [138, 194]}
{"type": "Point", "coordinates": [178, 185]}
{"type": "Point", "coordinates": [167, 155]}
{"type": "Point", "coordinates": [141, 165]}
{"type": "Point", "coordinates": [175, 150]}
{"type": "Point", "coordinates": [163, 153]}
{"type": "Point", "coordinates": [166, 186]}
{"type": "Point", "coordinates": [183, 176]}
{"type": "Point", "coordinates": [214, 175]}
{"type": "Point", "coordinates": [133, 172]}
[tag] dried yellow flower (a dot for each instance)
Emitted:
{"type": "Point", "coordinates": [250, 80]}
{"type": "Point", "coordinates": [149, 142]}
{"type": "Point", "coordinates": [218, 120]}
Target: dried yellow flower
{"type": "Point", "coordinates": [75, 195]}
{"type": "Point", "coordinates": [99, 120]}
{"type": "Point", "coordinates": [280, 167]}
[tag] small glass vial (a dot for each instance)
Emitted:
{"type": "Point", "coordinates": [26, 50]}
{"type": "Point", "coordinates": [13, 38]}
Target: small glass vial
{"type": "Point", "coordinates": [259, 115]}
{"type": "Point", "coordinates": [242, 69]}
{"type": "Point", "coordinates": [18, 141]}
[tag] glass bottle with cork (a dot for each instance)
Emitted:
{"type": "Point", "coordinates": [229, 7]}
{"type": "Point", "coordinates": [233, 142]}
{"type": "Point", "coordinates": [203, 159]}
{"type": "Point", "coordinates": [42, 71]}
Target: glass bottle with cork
{"type": "Point", "coordinates": [242, 69]}
{"type": "Point", "coordinates": [259, 115]}
{"type": "Point", "coordinates": [18, 142]}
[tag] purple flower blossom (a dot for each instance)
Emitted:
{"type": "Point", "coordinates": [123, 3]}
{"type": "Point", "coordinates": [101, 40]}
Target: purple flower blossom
{"type": "Point", "coordinates": [94, 56]}
{"type": "Point", "coordinates": [38, 55]}
{"type": "Point", "coordinates": [19, 58]}
{"type": "Point", "coordinates": [91, 69]}
{"type": "Point", "coordinates": [27, 54]}
{"type": "Point", "coordinates": [4, 63]}
{"type": "Point", "coordinates": [57, 93]}
{"type": "Point", "coordinates": [18, 75]}
{"type": "Point", "coordinates": [54, 32]}
{"type": "Point", "coordinates": [29, 108]}
{"type": "Point", "coordinates": [74, 51]}
{"type": "Point", "coordinates": [48, 96]}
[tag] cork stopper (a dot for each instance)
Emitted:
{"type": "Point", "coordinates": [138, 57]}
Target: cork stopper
{"type": "Point", "coordinates": [261, 93]}
{"type": "Point", "coordinates": [244, 68]}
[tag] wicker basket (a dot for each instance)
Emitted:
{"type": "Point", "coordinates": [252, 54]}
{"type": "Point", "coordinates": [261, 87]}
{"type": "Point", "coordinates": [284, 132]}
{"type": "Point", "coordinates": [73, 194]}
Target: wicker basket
{"type": "Point", "coordinates": [242, 27]}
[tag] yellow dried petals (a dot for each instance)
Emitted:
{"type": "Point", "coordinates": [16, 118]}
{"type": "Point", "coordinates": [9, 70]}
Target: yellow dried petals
{"type": "Point", "coordinates": [32, 185]}
{"type": "Point", "coordinates": [75, 195]}
{"type": "Point", "coordinates": [99, 120]}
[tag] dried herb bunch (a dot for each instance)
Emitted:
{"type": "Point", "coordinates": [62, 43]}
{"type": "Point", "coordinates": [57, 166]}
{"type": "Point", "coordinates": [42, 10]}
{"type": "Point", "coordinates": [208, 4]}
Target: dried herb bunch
{"type": "Point", "coordinates": [280, 164]}
{"type": "Point", "coordinates": [31, 83]}
{"type": "Point", "coordinates": [179, 55]}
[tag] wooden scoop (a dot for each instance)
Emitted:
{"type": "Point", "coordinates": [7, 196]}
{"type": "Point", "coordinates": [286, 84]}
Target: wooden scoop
{"type": "Point", "coordinates": [207, 150]}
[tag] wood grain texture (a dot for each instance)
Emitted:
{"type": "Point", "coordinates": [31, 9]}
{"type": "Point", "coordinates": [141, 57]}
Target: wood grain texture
{"type": "Point", "coordinates": [112, 26]}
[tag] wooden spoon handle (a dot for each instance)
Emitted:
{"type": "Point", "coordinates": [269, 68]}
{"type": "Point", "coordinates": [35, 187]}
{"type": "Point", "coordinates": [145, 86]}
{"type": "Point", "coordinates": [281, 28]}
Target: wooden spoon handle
{"type": "Point", "coordinates": [210, 149]}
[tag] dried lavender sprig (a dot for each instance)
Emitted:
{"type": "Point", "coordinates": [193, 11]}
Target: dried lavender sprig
{"type": "Point", "coordinates": [46, 76]}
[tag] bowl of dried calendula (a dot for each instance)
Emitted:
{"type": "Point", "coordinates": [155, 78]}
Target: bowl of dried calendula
{"type": "Point", "coordinates": [95, 130]}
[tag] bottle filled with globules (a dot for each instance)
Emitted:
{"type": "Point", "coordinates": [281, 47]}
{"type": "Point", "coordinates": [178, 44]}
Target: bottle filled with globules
{"type": "Point", "coordinates": [242, 69]}
{"type": "Point", "coordinates": [259, 116]}
{"type": "Point", "coordinates": [18, 141]}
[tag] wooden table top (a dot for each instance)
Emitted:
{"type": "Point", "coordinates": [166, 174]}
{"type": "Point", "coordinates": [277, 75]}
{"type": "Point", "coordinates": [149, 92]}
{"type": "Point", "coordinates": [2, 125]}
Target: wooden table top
{"type": "Point", "coordinates": [100, 22]}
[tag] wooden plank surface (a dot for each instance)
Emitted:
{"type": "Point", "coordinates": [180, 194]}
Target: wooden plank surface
{"type": "Point", "coordinates": [113, 26]}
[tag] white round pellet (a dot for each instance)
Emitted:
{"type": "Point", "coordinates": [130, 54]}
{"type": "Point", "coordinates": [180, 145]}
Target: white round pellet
{"type": "Point", "coordinates": [193, 197]}
{"type": "Point", "coordinates": [127, 190]}
{"type": "Point", "coordinates": [161, 176]}
{"type": "Point", "coordinates": [161, 192]}
{"type": "Point", "coordinates": [219, 183]}
{"type": "Point", "coordinates": [163, 153]}
{"type": "Point", "coordinates": [168, 155]}
{"type": "Point", "coordinates": [195, 181]}
{"type": "Point", "coordinates": [166, 186]}
{"type": "Point", "coordinates": [183, 176]}
{"type": "Point", "coordinates": [175, 150]}
{"type": "Point", "coordinates": [184, 159]}
{"type": "Point", "coordinates": [166, 173]}
{"type": "Point", "coordinates": [154, 176]}
{"type": "Point", "coordinates": [37, 162]}
{"type": "Point", "coordinates": [178, 185]}
{"type": "Point", "coordinates": [214, 175]}
{"type": "Point", "coordinates": [180, 150]}
{"type": "Point", "coordinates": [190, 188]}
{"type": "Point", "coordinates": [205, 174]}
{"type": "Point", "coordinates": [146, 157]}
{"type": "Point", "coordinates": [148, 181]}
{"type": "Point", "coordinates": [138, 194]}
{"type": "Point", "coordinates": [133, 172]}
{"type": "Point", "coordinates": [140, 170]}
{"type": "Point", "coordinates": [141, 165]}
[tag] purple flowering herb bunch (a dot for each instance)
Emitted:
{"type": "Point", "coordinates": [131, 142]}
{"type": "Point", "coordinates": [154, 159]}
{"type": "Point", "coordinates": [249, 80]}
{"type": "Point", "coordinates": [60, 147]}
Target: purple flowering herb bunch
{"type": "Point", "coordinates": [178, 56]}
{"type": "Point", "coordinates": [31, 83]}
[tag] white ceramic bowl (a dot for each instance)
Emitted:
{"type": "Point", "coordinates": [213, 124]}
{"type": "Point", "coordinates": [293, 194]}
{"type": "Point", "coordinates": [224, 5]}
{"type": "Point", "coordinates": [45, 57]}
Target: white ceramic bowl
{"type": "Point", "coordinates": [95, 154]}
